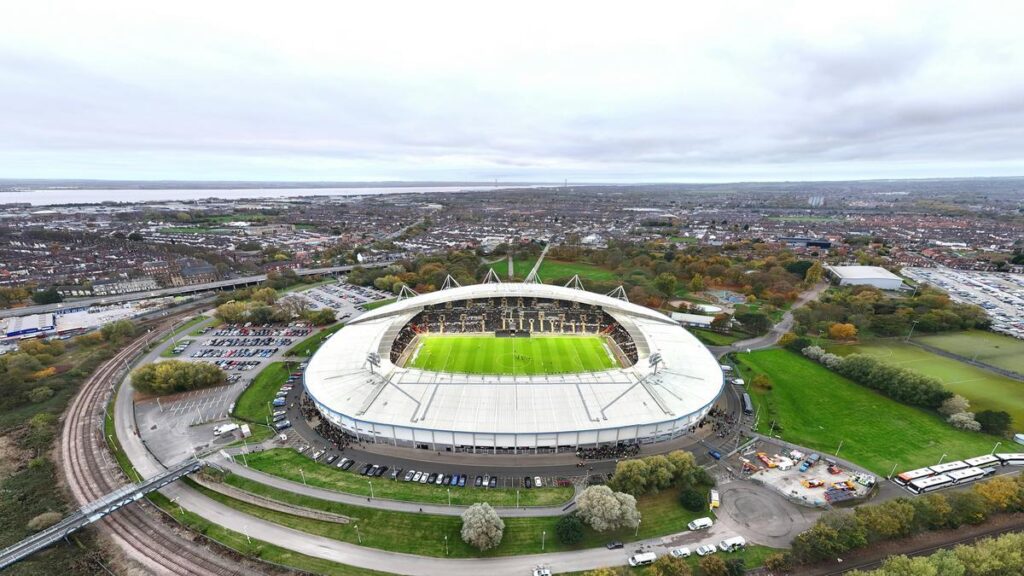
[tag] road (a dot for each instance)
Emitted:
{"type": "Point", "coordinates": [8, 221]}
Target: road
{"type": "Point", "coordinates": [772, 337]}
{"type": "Point", "coordinates": [176, 291]}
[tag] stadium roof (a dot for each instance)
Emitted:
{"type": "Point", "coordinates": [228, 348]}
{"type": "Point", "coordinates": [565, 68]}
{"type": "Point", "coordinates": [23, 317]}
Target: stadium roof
{"type": "Point", "coordinates": [687, 381]}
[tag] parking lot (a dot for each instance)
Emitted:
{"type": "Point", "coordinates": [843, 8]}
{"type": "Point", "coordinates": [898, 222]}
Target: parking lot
{"type": "Point", "coordinates": [1002, 295]}
{"type": "Point", "coordinates": [345, 299]}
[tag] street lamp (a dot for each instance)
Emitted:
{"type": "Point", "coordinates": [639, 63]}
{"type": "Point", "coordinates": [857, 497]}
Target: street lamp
{"type": "Point", "coordinates": [359, 536]}
{"type": "Point", "coordinates": [994, 448]}
{"type": "Point", "coordinates": [449, 497]}
{"type": "Point", "coordinates": [543, 537]}
{"type": "Point", "coordinates": [303, 474]}
{"type": "Point", "coordinates": [371, 488]}
{"type": "Point", "coordinates": [911, 332]}
{"type": "Point", "coordinates": [445, 544]}
{"type": "Point", "coordinates": [941, 459]}
{"type": "Point", "coordinates": [637, 532]}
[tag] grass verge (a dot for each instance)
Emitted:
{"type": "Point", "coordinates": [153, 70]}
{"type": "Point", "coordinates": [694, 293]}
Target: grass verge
{"type": "Point", "coordinates": [310, 345]}
{"type": "Point", "coordinates": [254, 403]}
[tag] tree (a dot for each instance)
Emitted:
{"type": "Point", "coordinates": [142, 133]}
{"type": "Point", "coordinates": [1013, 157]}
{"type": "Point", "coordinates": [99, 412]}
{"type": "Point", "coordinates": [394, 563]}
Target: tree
{"type": "Point", "coordinates": [631, 476]}
{"type": "Point", "coordinates": [964, 421]}
{"type": "Point", "coordinates": [754, 322]}
{"type": "Point", "coordinates": [813, 275]}
{"type": "Point", "coordinates": [232, 312]}
{"type": "Point", "coordinates": [887, 521]}
{"type": "Point", "coordinates": [696, 283]}
{"type": "Point", "coordinates": [265, 295]}
{"type": "Point", "coordinates": [778, 562]}
{"type": "Point", "coordinates": [172, 376]}
{"type": "Point", "coordinates": [735, 567]}
{"type": "Point", "coordinates": [48, 296]}
{"type": "Point", "coordinates": [118, 331]}
{"type": "Point", "coordinates": [954, 405]}
{"type": "Point", "coordinates": [482, 528]}
{"type": "Point", "coordinates": [666, 283]}
{"type": "Point", "coordinates": [994, 422]}
{"type": "Point", "coordinates": [569, 529]}
{"type": "Point", "coordinates": [605, 510]}
{"type": "Point", "coordinates": [40, 394]}
{"type": "Point", "coordinates": [669, 565]}
{"type": "Point", "coordinates": [839, 331]}
{"type": "Point", "coordinates": [966, 508]}
{"type": "Point", "coordinates": [1002, 493]}
{"type": "Point", "coordinates": [713, 566]}
{"type": "Point", "coordinates": [692, 500]}
{"type": "Point", "coordinates": [321, 317]}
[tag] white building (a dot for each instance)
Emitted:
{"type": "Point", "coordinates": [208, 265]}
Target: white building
{"type": "Point", "coordinates": [865, 276]}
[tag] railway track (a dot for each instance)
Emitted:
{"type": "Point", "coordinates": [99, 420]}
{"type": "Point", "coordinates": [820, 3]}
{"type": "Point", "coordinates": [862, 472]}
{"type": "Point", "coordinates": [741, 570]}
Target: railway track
{"type": "Point", "coordinates": [91, 471]}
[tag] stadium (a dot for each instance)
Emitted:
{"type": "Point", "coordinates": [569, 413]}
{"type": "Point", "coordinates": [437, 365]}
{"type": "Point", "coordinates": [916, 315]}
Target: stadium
{"type": "Point", "coordinates": [513, 368]}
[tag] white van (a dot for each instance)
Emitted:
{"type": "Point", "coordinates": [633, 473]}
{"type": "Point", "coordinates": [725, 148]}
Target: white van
{"type": "Point", "coordinates": [700, 524]}
{"type": "Point", "coordinates": [732, 544]}
{"type": "Point", "coordinates": [643, 559]}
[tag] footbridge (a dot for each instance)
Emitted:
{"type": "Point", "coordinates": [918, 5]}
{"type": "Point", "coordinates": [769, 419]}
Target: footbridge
{"type": "Point", "coordinates": [94, 511]}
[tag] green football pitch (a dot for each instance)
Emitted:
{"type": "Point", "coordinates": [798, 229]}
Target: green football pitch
{"type": "Point", "coordinates": [486, 354]}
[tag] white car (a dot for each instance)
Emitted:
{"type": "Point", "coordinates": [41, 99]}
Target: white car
{"type": "Point", "coordinates": [700, 524]}
{"type": "Point", "coordinates": [680, 553]}
{"type": "Point", "coordinates": [705, 550]}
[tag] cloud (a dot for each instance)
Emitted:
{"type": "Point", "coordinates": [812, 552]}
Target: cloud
{"type": "Point", "coordinates": [466, 90]}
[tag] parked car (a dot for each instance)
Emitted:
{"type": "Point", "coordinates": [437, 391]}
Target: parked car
{"type": "Point", "coordinates": [494, 481]}
{"type": "Point", "coordinates": [527, 482]}
{"type": "Point", "coordinates": [537, 482]}
{"type": "Point", "coordinates": [409, 475]}
{"type": "Point", "coordinates": [479, 481]}
{"type": "Point", "coordinates": [348, 464]}
{"type": "Point", "coordinates": [462, 481]}
{"type": "Point", "coordinates": [396, 473]}
{"type": "Point", "coordinates": [431, 478]}
{"type": "Point", "coordinates": [705, 550]}
{"type": "Point", "coordinates": [381, 471]}
{"type": "Point", "coordinates": [365, 469]}
{"type": "Point", "coordinates": [614, 545]}
{"type": "Point", "coordinates": [680, 552]}
{"type": "Point", "coordinates": [700, 524]}
{"type": "Point", "coordinates": [342, 462]}
{"type": "Point", "coordinates": [416, 476]}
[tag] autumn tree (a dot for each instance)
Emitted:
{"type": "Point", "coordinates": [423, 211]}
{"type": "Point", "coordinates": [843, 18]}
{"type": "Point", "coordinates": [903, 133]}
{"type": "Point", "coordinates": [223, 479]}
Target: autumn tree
{"type": "Point", "coordinates": [605, 510]}
{"type": "Point", "coordinates": [842, 331]}
{"type": "Point", "coordinates": [482, 528]}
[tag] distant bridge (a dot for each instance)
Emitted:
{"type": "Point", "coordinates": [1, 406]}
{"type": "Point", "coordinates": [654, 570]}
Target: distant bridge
{"type": "Point", "coordinates": [177, 291]}
{"type": "Point", "coordinates": [94, 511]}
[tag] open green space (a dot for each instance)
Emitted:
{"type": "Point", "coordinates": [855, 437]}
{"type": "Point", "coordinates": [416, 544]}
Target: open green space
{"type": "Point", "coordinates": [424, 533]}
{"type": "Point", "coordinates": [265, 551]}
{"type": "Point", "coordinates": [310, 345]}
{"type": "Point", "coordinates": [817, 408]}
{"type": "Point", "coordinates": [555, 269]}
{"type": "Point", "coordinates": [715, 338]}
{"type": "Point", "coordinates": [379, 303]}
{"type": "Point", "coordinates": [287, 463]}
{"type": "Point", "coordinates": [1000, 351]}
{"type": "Point", "coordinates": [683, 239]}
{"type": "Point", "coordinates": [486, 354]}
{"type": "Point", "coordinates": [985, 389]}
{"type": "Point", "coordinates": [195, 230]}
{"type": "Point", "coordinates": [254, 403]}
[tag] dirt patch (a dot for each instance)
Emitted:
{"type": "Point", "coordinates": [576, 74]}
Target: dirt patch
{"type": "Point", "coordinates": [12, 458]}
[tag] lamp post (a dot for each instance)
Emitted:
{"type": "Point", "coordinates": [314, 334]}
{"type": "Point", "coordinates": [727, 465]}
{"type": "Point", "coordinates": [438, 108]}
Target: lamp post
{"type": "Point", "coordinates": [637, 532]}
{"type": "Point", "coordinates": [359, 537]}
{"type": "Point", "coordinates": [893, 471]}
{"type": "Point", "coordinates": [175, 501]}
{"type": "Point", "coordinates": [994, 448]}
{"type": "Point", "coordinates": [543, 537]}
{"type": "Point", "coordinates": [911, 332]}
{"type": "Point", "coordinates": [941, 459]}
{"type": "Point", "coordinates": [371, 488]}
{"type": "Point", "coordinates": [303, 474]}
{"type": "Point", "coordinates": [840, 447]}
{"type": "Point", "coordinates": [449, 497]}
{"type": "Point", "coordinates": [445, 544]}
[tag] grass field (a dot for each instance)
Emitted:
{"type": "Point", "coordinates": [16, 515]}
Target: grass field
{"type": "Point", "coordinates": [714, 338]}
{"type": "Point", "coordinates": [254, 403]}
{"type": "Point", "coordinates": [986, 390]}
{"type": "Point", "coordinates": [555, 269]}
{"type": "Point", "coordinates": [485, 354]}
{"type": "Point", "coordinates": [988, 347]}
{"type": "Point", "coordinates": [819, 409]}
{"type": "Point", "coordinates": [371, 305]}
{"type": "Point", "coordinates": [424, 533]}
{"type": "Point", "coordinates": [286, 463]}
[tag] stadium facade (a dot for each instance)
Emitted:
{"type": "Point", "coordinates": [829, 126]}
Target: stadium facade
{"type": "Point", "coordinates": [665, 383]}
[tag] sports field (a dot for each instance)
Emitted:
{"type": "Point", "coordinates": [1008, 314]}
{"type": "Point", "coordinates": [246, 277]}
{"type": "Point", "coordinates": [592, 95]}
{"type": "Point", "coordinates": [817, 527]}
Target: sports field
{"type": "Point", "coordinates": [988, 347]}
{"type": "Point", "coordinates": [485, 354]}
{"type": "Point", "coordinates": [986, 390]}
{"type": "Point", "coordinates": [817, 408]}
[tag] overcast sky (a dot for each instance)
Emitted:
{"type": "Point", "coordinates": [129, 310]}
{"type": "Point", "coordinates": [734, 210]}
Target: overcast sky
{"type": "Point", "coordinates": [431, 90]}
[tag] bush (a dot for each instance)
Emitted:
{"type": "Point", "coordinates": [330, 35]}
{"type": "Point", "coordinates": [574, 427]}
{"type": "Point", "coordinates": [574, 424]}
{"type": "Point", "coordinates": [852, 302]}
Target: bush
{"type": "Point", "coordinates": [692, 500]}
{"type": "Point", "coordinates": [40, 394]}
{"type": "Point", "coordinates": [964, 421]}
{"type": "Point", "coordinates": [44, 521]}
{"type": "Point", "coordinates": [569, 529]}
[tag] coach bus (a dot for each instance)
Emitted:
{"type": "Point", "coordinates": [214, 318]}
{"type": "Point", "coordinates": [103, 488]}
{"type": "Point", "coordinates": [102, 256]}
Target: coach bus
{"type": "Point", "coordinates": [748, 406]}
{"type": "Point", "coordinates": [967, 474]}
{"type": "Point", "coordinates": [986, 461]}
{"type": "Point", "coordinates": [1011, 459]}
{"type": "Point", "coordinates": [948, 467]}
{"type": "Point", "coordinates": [922, 485]}
{"type": "Point", "coordinates": [906, 477]}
